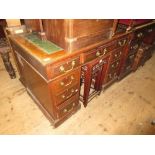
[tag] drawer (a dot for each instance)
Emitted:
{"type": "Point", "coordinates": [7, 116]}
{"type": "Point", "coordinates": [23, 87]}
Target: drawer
{"type": "Point", "coordinates": [63, 67]}
{"type": "Point", "coordinates": [134, 47]}
{"type": "Point", "coordinates": [114, 66]}
{"type": "Point", "coordinates": [150, 29]}
{"type": "Point", "coordinates": [65, 95]}
{"type": "Point", "coordinates": [139, 35]}
{"type": "Point", "coordinates": [117, 54]}
{"type": "Point", "coordinates": [128, 68]}
{"type": "Point", "coordinates": [98, 52]}
{"type": "Point", "coordinates": [150, 37]}
{"type": "Point", "coordinates": [130, 60]}
{"type": "Point", "coordinates": [68, 106]}
{"type": "Point", "coordinates": [66, 81]}
{"type": "Point", "coordinates": [111, 76]}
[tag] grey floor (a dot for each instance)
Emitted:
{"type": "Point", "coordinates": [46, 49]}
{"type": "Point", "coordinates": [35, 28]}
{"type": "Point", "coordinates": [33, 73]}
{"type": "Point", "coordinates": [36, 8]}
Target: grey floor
{"type": "Point", "coordinates": [127, 107]}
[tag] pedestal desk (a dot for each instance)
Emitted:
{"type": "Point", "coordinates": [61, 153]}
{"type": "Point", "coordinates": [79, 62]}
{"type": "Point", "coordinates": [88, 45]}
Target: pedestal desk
{"type": "Point", "coordinates": [76, 62]}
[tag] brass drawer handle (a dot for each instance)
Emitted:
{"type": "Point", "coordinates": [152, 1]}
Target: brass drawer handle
{"type": "Point", "coordinates": [62, 69]}
{"type": "Point", "coordinates": [116, 55]}
{"type": "Point", "coordinates": [98, 53]}
{"type": "Point", "coordinates": [72, 91]}
{"type": "Point", "coordinates": [139, 35]}
{"type": "Point", "coordinates": [63, 96]}
{"type": "Point", "coordinates": [135, 47]}
{"type": "Point", "coordinates": [122, 43]}
{"type": "Point", "coordinates": [149, 30]}
{"type": "Point", "coordinates": [113, 66]}
{"type": "Point", "coordinates": [66, 110]}
{"type": "Point", "coordinates": [105, 51]}
{"type": "Point", "coordinates": [69, 83]}
{"type": "Point", "coordinates": [100, 61]}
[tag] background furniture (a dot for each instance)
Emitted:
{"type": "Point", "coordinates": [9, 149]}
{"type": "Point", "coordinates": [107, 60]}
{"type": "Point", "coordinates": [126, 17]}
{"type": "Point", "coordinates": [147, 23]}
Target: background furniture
{"type": "Point", "coordinates": [4, 51]}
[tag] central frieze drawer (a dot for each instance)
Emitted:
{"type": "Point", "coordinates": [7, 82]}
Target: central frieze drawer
{"type": "Point", "coordinates": [66, 81]}
{"type": "Point", "coordinates": [98, 52]}
{"type": "Point", "coordinates": [63, 67]}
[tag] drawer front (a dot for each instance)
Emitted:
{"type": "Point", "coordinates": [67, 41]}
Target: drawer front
{"type": "Point", "coordinates": [139, 35]}
{"type": "Point", "coordinates": [66, 81]}
{"type": "Point", "coordinates": [63, 67]}
{"type": "Point", "coordinates": [111, 76]}
{"type": "Point", "coordinates": [128, 68]}
{"type": "Point", "coordinates": [150, 37]}
{"type": "Point", "coordinates": [130, 60]}
{"type": "Point", "coordinates": [134, 47]}
{"type": "Point", "coordinates": [117, 54]}
{"type": "Point", "coordinates": [150, 29]}
{"type": "Point", "coordinates": [98, 52]}
{"type": "Point", "coordinates": [65, 95]}
{"type": "Point", "coordinates": [68, 106]}
{"type": "Point", "coordinates": [114, 66]}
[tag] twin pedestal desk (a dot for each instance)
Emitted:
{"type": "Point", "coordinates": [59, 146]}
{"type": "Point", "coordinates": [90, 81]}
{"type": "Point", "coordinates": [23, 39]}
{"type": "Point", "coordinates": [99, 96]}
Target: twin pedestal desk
{"type": "Point", "coordinates": [59, 81]}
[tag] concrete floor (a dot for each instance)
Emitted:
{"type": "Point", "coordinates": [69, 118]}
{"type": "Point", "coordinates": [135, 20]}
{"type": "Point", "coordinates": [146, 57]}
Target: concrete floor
{"type": "Point", "coordinates": [127, 107]}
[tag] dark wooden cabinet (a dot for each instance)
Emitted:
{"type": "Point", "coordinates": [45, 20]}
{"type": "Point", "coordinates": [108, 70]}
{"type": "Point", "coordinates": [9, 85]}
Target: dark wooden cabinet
{"type": "Point", "coordinates": [75, 34]}
{"type": "Point", "coordinates": [136, 49]}
{"type": "Point", "coordinates": [90, 58]}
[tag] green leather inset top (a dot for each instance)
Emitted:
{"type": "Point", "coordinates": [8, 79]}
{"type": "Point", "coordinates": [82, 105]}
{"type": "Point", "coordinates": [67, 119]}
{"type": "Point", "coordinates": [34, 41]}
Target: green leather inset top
{"type": "Point", "coordinates": [47, 46]}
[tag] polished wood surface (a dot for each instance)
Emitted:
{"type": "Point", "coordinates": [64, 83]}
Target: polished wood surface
{"type": "Point", "coordinates": [33, 24]}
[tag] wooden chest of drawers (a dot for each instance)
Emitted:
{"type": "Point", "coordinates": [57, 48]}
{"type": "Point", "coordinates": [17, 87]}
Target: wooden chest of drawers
{"type": "Point", "coordinates": [66, 86]}
{"type": "Point", "coordinates": [135, 40]}
{"type": "Point", "coordinates": [143, 34]}
{"type": "Point", "coordinates": [115, 61]}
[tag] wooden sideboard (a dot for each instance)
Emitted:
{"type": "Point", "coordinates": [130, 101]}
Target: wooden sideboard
{"type": "Point", "coordinates": [81, 59]}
